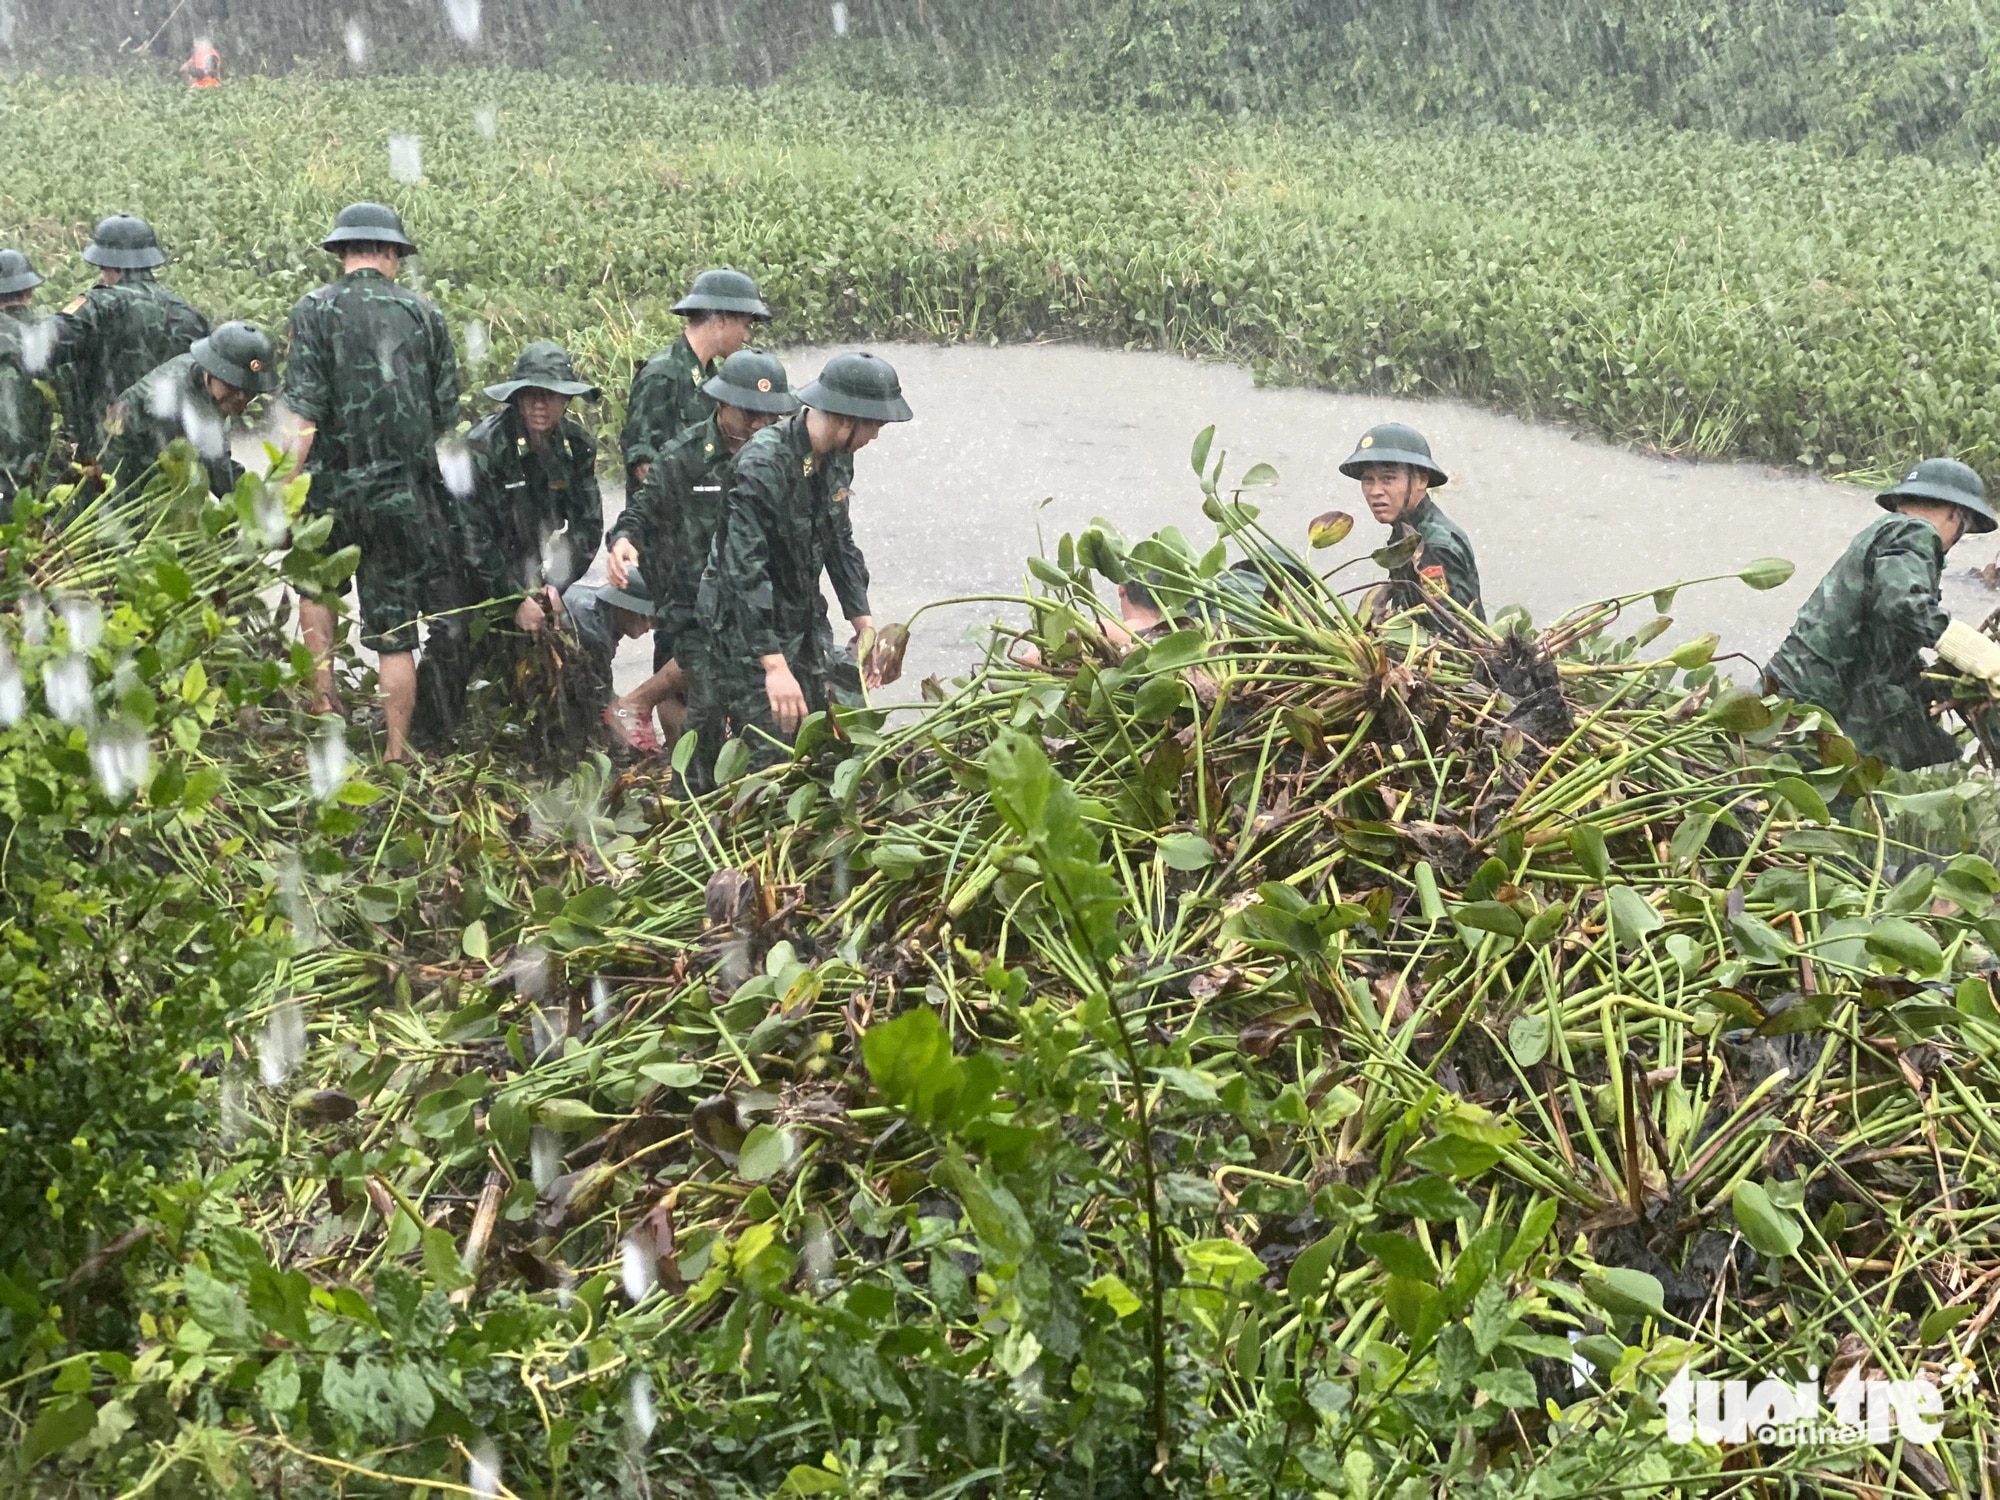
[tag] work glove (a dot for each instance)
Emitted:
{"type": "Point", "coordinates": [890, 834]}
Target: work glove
{"type": "Point", "coordinates": [1974, 654]}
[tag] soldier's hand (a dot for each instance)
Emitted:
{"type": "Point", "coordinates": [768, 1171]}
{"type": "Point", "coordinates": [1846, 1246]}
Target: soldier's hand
{"type": "Point", "coordinates": [531, 615]}
{"type": "Point", "coordinates": [620, 560]}
{"type": "Point", "coordinates": [639, 473]}
{"type": "Point", "coordinates": [788, 702]}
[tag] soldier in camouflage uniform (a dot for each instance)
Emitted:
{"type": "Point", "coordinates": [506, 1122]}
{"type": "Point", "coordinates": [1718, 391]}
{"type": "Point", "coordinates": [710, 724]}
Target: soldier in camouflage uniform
{"type": "Point", "coordinates": [761, 633]}
{"type": "Point", "coordinates": [192, 396]}
{"type": "Point", "coordinates": [606, 614]}
{"type": "Point", "coordinates": [531, 524]}
{"type": "Point", "coordinates": [373, 374]}
{"type": "Point", "coordinates": [670, 522]}
{"type": "Point", "coordinates": [667, 398]}
{"type": "Point", "coordinates": [1853, 649]}
{"type": "Point", "coordinates": [1397, 474]}
{"type": "Point", "coordinates": [25, 413]}
{"type": "Point", "coordinates": [120, 330]}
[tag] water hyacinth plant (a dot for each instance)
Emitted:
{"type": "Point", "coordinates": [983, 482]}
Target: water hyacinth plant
{"type": "Point", "coordinates": [1310, 1050]}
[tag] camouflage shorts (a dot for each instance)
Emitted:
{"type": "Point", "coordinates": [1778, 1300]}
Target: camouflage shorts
{"type": "Point", "coordinates": [407, 569]}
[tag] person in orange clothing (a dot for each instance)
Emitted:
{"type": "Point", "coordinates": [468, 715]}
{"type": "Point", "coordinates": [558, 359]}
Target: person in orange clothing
{"type": "Point", "coordinates": [204, 65]}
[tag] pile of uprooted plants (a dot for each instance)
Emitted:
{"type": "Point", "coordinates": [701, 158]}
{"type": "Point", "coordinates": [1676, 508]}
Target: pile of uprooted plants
{"type": "Point", "coordinates": [1312, 1051]}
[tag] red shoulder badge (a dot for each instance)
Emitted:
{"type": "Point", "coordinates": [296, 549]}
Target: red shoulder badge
{"type": "Point", "coordinates": [1434, 579]}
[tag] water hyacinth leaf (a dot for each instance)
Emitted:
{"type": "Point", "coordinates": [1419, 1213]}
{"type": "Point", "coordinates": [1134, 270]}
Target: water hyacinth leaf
{"type": "Point", "coordinates": [1112, 1291]}
{"type": "Point", "coordinates": [1695, 653]}
{"type": "Point", "coordinates": [1800, 796]}
{"type": "Point", "coordinates": [1177, 652]}
{"type": "Point", "coordinates": [1741, 711]}
{"type": "Point", "coordinates": [767, 1151]}
{"type": "Point", "coordinates": [567, 1115]}
{"type": "Point", "coordinates": [1546, 925]}
{"type": "Point", "coordinates": [1633, 917]}
{"type": "Point", "coordinates": [1758, 941]}
{"type": "Point", "coordinates": [1307, 1277]}
{"type": "Point", "coordinates": [1203, 441]}
{"type": "Point", "coordinates": [1186, 852]}
{"type": "Point", "coordinates": [1455, 1156]}
{"type": "Point", "coordinates": [1688, 954]}
{"type": "Point", "coordinates": [1490, 916]}
{"type": "Point", "coordinates": [1528, 1039]}
{"type": "Point", "coordinates": [1767, 573]}
{"type": "Point", "coordinates": [1771, 1230]}
{"type": "Point", "coordinates": [681, 1075]}
{"type": "Point", "coordinates": [1397, 554]}
{"type": "Point", "coordinates": [1941, 1321]}
{"type": "Point", "coordinates": [1427, 1197]}
{"type": "Point", "coordinates": [1220, 1263]}
{"type": "Point", "coordinates": [1258, 476]}
{"type": "Point", "coordinates": [1906, 945]}
{"type": "Point", "coordinates": [1627, 1293]}
{"type": "Point", "coordinates": [1330, 529]}
{"type": "Point", "coordinates": [1399, 1255]}
{"type": "Point", "coordinates": [1586, 843]}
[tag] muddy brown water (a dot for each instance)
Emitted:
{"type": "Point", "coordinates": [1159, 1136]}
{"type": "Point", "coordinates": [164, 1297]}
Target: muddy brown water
{"type": "Point", "coordinates": [949, 504]}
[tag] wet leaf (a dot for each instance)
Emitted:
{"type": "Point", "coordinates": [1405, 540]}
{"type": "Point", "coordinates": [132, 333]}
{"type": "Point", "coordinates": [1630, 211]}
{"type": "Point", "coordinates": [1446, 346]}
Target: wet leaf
{"type": "Point", "coordinates": [1626, 1292]}
{"type": "Point", "coordinates": [1330, 529]}
{"type": "Point", "coordinates": [1767, 573]}
{"type": "Point", "coordinates": [1771, 1230]}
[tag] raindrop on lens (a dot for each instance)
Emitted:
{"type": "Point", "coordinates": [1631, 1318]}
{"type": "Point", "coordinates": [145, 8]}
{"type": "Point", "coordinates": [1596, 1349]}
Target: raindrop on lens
{"type": "Point", "coordinates": [476, 346]}
{"type": "Point", "coordinates": [558, 561]}
{"type": "Point", "coordinates": [268, 514]}
{"type": "Point", "coordinates": [483, 1474]}
{"type": "Point", "coordinates": [326, 761]}
{"type": "Point", "coordinates": [486, 119]}
{"type": "Point", "coordinates": [406, 158]}
{"type": "Point", "coordinates": [640, 1414]}
{"type": "Point", "coordinates": [600, 1001]}
{"type": "Point", "coordinates": [839, 18]}
{"type": "Point", "coordinates": [204, 429]}
{"type": "Point", "coordinates": [544, 1157]}
{"type": "Point", "coordinates": [357, 43]}
{"type": "Point", "coordinates": [637, 1268]}
{"type": "Point", "coordinates": [163, 399]}
{"type": "Point", "coordinates": [121, 759]}
{"type": "Point", "coordinates": [7, 23]}
{"type": "Point", "coordinates": [83, 620]}
{"type": "Point", "coordinates": [66, 684]}
{"type": "Point", "coordinates": [13, 693]}
{"type": "Point", "coordinates": [34, 621]}
{"type": "Point", "coordinates": [38, 344]}
{"type": "Point", "coordinates": [283, 1044]}
{"type": "Point", "coordinates": [454, 462]}
{"type": "Point", "coordinates": [464, 18]}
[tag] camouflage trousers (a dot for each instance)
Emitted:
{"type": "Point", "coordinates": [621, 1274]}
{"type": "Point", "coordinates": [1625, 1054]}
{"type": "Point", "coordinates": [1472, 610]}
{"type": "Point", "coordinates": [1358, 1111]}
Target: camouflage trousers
{"type": "Point", "coordinates": [727, 699]}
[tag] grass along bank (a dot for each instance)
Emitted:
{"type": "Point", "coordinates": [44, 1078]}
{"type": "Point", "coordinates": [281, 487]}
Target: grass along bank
{"type": "Point", "coordinates": [1679, 291]}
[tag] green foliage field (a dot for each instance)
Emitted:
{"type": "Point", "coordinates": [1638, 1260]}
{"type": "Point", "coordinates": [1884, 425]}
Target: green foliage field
{"type": "Point", "coordinates": [1676, 290]}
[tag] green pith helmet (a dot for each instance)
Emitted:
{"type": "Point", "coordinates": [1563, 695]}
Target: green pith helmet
{"type": "Point", "coordinates": [17, 274]}
{"type": "Point", "coordinates": [1951, 481]}
{"type": "Point", "coordinates": [724, 291]}
{"type": "Point", "coordinates": [368, 224]}
{"type": "Point", "coordinates": [636, 596]}
{"type": "Point", "coordinates": [862, 386]}
{"type": "Point", "coordinates": [124, 242]}
{"type": "Point", "coordinates": [754, 381]}
{"type": "Point", "coordinates": [239, 354]}
{"type": "Point", "coordinates": [543, 366]}
{"type": "Point", "coordinates": [1394, 443]}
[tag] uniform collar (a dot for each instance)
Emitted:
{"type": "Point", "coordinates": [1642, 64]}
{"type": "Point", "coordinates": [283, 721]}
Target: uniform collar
{"type": "Point", "coordinates": [361, 273]}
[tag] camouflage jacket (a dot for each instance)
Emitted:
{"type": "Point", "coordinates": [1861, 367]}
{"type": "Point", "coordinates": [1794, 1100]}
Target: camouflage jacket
{"type": "Point", "coordinates": [787, 522]}
{"type": "Point", "coordinates": [535, 516]}
{"type": "Point", "coordinates": [1853, 649]}
{"type": "Point", "coordinates": [666, 401]}
{"type": "Point", "coordinates": [672, 519]}
{"type": "Point", "coordinates": [108, 340]}
{"type": "Point", "coordinates": [372, 366]}
{"type": "Point", "coordinates": [1442, 565]}
{"type": "Point", "coordinates": [25, 413]}
{"type": "Point", "coordinates": [171, 402]}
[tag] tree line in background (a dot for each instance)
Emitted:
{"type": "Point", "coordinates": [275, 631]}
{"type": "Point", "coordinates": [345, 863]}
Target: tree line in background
{"type": "Point", "coordinates": [1889, 75]}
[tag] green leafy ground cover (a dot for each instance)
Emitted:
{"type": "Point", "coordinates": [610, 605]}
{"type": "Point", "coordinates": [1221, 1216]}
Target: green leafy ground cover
{"type": "Point", "coordinates": [1682, 291]}
{"type": "Point", "coordinates": [1237, 1066]}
